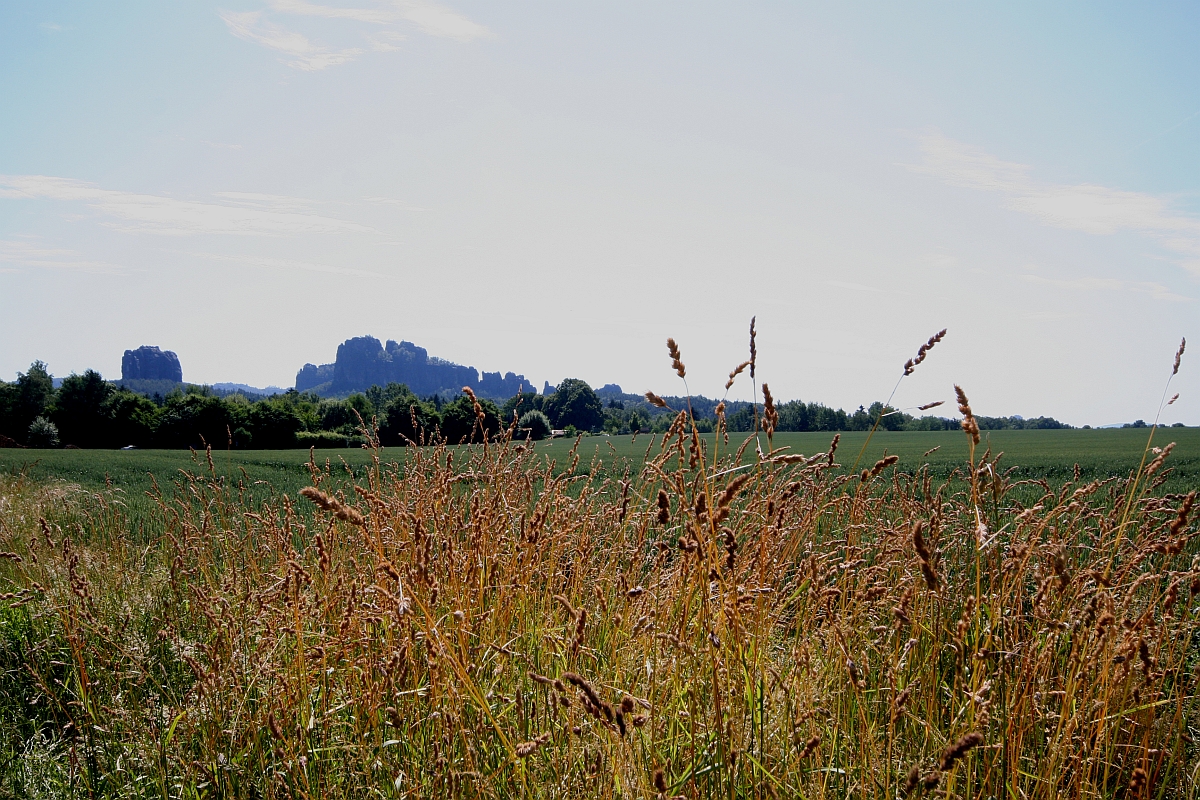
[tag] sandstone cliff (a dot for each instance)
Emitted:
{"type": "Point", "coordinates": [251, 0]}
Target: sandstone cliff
{"type": "Point", "coordinates": [364, 361]}
{"type": "Point", "coordinates": [151, 364]}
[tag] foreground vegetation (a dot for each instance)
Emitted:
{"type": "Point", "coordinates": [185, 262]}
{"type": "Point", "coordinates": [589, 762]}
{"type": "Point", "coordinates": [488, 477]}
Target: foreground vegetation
{"type": "Point", "coordinates": [484, 621]}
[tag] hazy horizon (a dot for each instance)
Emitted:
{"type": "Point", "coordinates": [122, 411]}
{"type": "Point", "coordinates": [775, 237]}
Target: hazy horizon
{"type": "Point", "coordinates": [554, 190]}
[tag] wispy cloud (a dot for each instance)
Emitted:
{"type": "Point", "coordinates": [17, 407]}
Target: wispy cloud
{"type": "Point", "coordinates": [377, 16]}
{"type": "Point", "coordinates": [854, 287]}
{"type": "Point", "coordinates": [1155, 290]}
{"type": "Point", "coordinates": [33, 254]}
{"type": "Point", "coordinates": [130, 212]}
{"type": "Point", "coordinates": [435, 20]}
{"type": "Point", "coordinates": [1081, 207]}
{"type": "Point", "coordinates": [251, 26]}
{"type": "Point", "coordinates": [291, 265]}
{"type": "Point", "coordinates": [388, 19]}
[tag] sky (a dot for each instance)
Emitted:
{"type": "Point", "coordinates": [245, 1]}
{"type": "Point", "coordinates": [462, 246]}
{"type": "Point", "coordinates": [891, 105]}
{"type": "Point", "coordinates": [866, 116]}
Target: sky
{"type": "Point", "coordinates": [556, 188]}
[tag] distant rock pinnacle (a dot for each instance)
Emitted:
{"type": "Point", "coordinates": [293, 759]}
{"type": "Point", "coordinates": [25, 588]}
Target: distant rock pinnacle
{"type": "Point", "coordinates": [151, 364]}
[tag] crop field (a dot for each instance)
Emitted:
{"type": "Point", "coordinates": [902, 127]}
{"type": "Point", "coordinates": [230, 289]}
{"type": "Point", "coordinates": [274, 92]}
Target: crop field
{"type": "Point", "coordinates": [1050, 455]}
{"type": "Point", "coordinates": [608, 618]}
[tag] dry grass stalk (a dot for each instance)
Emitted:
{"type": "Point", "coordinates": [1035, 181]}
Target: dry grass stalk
{"type": "Point", "coordinates": [734, 373]}
{"type": "Point", "coordinates": [969, 424]}
{"type": "Point", "coordinates": [912, 363]}
{"type": "Point", "coordinates": [924, 555]}
{"type": "Point", "coordinates": [526, 749]}
{"type": "Point", "coordinates": [333, 505]}
{"type": "Point", "coordinates": [676, 364]}
{"type": "Point", "coordinates": [958, 749]}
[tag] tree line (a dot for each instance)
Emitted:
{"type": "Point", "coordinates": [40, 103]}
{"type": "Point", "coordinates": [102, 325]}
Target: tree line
{"type": "Point", "coordinates": [87, 411]}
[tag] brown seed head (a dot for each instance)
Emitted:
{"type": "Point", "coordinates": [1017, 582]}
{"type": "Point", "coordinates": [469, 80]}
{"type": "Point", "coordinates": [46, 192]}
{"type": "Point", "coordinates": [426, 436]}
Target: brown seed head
{"type": "Point", "coordinates": [910, 365]}
{"type": "Point", "coordinates": [736, 371]}
{"type": "Point", "coordinates": [883, 464]}
{"type": "Point", "coordinates": [276, 731]}
{"type": "Point", "coordinates": [959, 749]}
{"type": "Point", "coordinates": [969, 424]}
{"type": "Point", "coordinates": [770, 415]}
{"type": "Point", "coordinates": [1181, 516]}
{"type": "Point", "coordinates": [655, 400]}
{"type": "Point", "coordinates": [1159, 459]}
{"type": "Point", "coordinates": [1137, 781]}
{"type": "Point", "coordinates": [1179, 355]}
{"type": "Point", "coordinates": [673, 349]}
{"type": "Point", "coordinates": [333, 505]}
{"type": "Point", "coordinates": [524, 749]}
{"type": "Point", "coordinates": [753, 347]}
{"type": "Point", "coordinates": [925, 556]}
{"type": "Point", "coordinates": [810, 746]}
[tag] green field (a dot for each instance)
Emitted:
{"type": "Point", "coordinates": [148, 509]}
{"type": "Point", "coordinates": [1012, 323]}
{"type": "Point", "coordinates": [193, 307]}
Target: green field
{"type": "Point", "coordinates": [1047, 454]}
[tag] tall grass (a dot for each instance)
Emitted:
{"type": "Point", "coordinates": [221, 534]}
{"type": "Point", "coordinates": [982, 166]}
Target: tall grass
{"type": "Point", "coordinates": [486, 623]}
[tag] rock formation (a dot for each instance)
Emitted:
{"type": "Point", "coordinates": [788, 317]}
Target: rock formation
{"type": "Point", "coordinates": [151, 364]}
{"type": "Point", "coordinates": [364, 361]}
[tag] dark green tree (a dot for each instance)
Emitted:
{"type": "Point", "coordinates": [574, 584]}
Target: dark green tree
{"type": "Point", "coordinates": [575, 403]}
{"type": "Point", "coordinates": [273, 424]}
{"type": "Point", "coordinates": [191, 420]}
{"type": "Point", "coordinates": [8, 410]}
{"type": "Point", "coordinates": [132, 419]}
{"type": "Point", "coordinates": [520, 404]}
{"type": "Point", "coordinates": [460, 423]}
{"type": "Point", "coordinates": [339, 415]}
{"type": "Point", "coordinates": [79, 410]}
{"type": "Point", "coordinates": [34, 393]}
{"type": "Point", "coordinates": [405, 418]}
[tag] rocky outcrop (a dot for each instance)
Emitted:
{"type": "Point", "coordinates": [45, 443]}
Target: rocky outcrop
{"type": "Point", "coordinates": [315, 379]}
{"type": "Point", "coordinates": [151, 364]}
{"type": "Point", "coordinates": [364, 362]}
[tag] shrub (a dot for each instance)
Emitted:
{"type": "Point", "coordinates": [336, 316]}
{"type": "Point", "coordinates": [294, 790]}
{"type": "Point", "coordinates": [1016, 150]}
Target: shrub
{"type": "Point", "coordinates": [533, 424]}
{"type": "Point", "coordinates": [327, 439]}
{"type": "Point", "coordinates": [42, 433]}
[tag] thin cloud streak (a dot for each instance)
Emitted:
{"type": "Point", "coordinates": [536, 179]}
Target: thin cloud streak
{"type": "Point", "coordinates": [251, 27]}
{"type": "Point", "coordinates": [289, 264]}
{"type": "Point", "coordinates": [1089, 208]}
{"type": "Point", "coordinates": [430, 19]}
{"type": "Point", "coordinates": [436, 20]}
{"type": "Point", "coordinates": [259, 215]}
{"type": "Point", "coordinates": [371, 15]}
{"type": "Point", "coordinates": [1155, 290]}
{"type": "Point", "coordinates": [28, 254]}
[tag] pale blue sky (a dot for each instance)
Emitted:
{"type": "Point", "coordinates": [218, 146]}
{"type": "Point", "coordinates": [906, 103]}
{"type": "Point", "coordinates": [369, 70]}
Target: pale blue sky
{"type": "Point", "coordinates": [555, 188]}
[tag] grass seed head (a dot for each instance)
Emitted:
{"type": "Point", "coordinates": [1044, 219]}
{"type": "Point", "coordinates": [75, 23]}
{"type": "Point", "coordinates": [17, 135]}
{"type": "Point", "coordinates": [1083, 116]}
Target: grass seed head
{"type": "Point", "coordinates": [969, 424]}
{"type": "Point", "coordinates": [958, 749]}
{"type": "Point", "coordinates": [673, 349]}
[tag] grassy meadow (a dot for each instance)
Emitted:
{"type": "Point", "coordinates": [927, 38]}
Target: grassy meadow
{"type": "Point", "coordinates": [606, 618]}
{"type": "Point", "coordinates": [1050, 455]}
